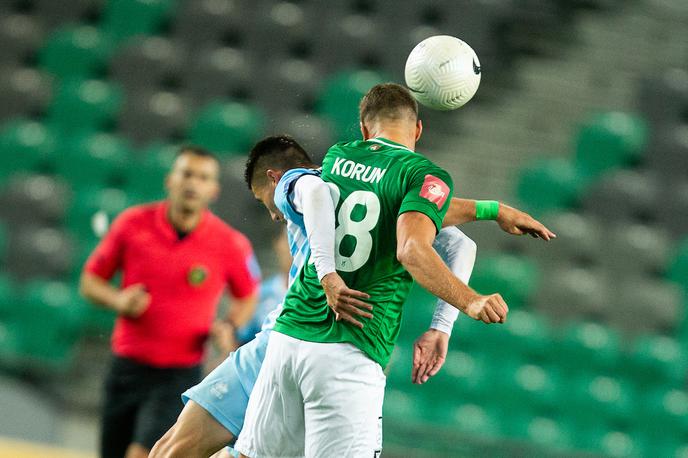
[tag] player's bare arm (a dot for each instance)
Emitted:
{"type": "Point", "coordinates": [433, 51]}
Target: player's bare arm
{"type": "Point", "coordinates": [415, 233]}
{"type": "Point", "coordinates": [131, 301]}
{"type": "Point", "coordinates": [510, 219]}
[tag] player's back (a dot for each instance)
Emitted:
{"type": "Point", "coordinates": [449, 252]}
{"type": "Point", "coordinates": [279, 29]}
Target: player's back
{"type": "Point", "coordinates": [371, 182]}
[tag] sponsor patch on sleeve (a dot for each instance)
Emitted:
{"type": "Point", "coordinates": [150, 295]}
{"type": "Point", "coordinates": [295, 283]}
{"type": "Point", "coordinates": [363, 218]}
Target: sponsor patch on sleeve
{"type": "Point", "coordinates": [435, 190]}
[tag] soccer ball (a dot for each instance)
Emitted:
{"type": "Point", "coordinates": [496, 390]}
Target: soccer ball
{"type": "Point", "coordinates": [442, 72]}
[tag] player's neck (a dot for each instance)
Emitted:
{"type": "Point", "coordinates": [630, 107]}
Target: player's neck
{"type": "Point", "coordinates": [397, 135]}
{"type": "Point", "coordinates": [181, 220]}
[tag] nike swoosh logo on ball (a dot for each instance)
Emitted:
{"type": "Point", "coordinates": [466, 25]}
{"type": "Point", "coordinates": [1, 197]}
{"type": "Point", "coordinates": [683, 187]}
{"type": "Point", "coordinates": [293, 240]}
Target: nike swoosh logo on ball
{"type": "Point", "coordinates": [476, 68]}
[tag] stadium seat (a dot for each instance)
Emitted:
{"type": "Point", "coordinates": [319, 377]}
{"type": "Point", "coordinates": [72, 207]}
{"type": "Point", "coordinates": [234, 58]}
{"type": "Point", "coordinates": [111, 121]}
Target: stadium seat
{"type": "Point", "coordinates": [8, 297]}
{"type": "Point", "coordinates": [477, 419]}
{"type": "Point", "coordinates": [94, 160]}
{"type": "Point", "coordinates": [54, 13]}
{"type": "Point", "coordinates": [595, 396]}
{"type": "Point", "coordinates": [40, 252]}
{"type": "Point", "coordinates": [278, 27]}
{"type": "Point", "coordinates": [217, 72]}
{"type": "Point", "coordinates": [339, 100]}
{"type": "Point", "coordinates": [515, 278]}
{"type": "Point", "coordinates": [677, 268]}
{"type": "Point", "coordinates": [609, 140]}
{"type": "Point", "coordinates": [20, 35]}
{"type": "Point", "coordinates": [668, 152]}
{"type": "Point", "coordinates": [624, 195]}
{"type": "Point", "coordinates": [125, 18]}
{"type": "Point", "coordinates": [635, 250]}
{"type": "Point", "coordinates": [84, 105]}
{"type": "Point", "coordinates": [658, 359]}
{"type": "Point", "coordinates": [25, 146]}
{"type": "Point", "coordinates": [23, 92]}
{"type": "Point", "coordinates": [310, 130]}
{"type": "Point", "coordinates": [149, 116]}
{"type": "Point", "coordinates": [465, 375]}
{"type": "Point", "coordinates": [589, 345]}
{"type": "Point", "coordinates": [573, 293]}
{"type": "Point", "coordinates": [528, 335]}
{"type": "Point", "coordinates": [34, 199]}
{"type": "Point", "coordinates": [227, 127]}
{"type": "Point", "coordinates": [527, 387]}
{"type": "Point", "coordinates": [145, 179]}
{"type": "Point", "coordinates": [288, 83]}
{"type": "Point", "coordinates": [674, 202]}
{"type": "Point", "coordinates": [663, 99]}
{"type": "Point", "coordinates": [94, 209]}
{"type": "Point", "coordinates": [548, 432]}
{"type": "Point", "coordinates": [202, 23]}
{"type": "Point", "coordinates": [549, 184]}
{"type": "Point", "coordinates": [75, 51]}
{"type": "Point", "coordinates": [647, 306]}
{"type": "Point", "coordinates": [617, 444]}
{"type": "Point", "coordinates": [147, 62]}
{"type": "Point", "coordinates": [664, 411]}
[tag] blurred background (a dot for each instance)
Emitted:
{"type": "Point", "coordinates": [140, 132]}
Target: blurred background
{"type": "Point", "coordinates": [581, 119]}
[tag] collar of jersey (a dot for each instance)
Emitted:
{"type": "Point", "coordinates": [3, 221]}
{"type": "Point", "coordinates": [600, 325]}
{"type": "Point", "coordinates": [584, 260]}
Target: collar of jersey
{"type": "Point", "coordinates": [384, 141]}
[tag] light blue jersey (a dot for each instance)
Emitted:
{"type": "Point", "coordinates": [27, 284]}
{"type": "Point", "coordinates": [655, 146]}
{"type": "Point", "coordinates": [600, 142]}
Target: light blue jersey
{"type": "Point", "coordinates": [224, 393]}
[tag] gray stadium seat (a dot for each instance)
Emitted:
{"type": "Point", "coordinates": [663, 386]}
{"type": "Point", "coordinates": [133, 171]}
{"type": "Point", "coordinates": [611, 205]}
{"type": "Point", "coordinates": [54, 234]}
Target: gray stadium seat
{"type": "Point", "coordinates": [23, 92]}
{"type": "Point", "coordinates": [217, 73]}
{"type": "Point", "coordinates": [52, 13]}
{"type": "Point", "coordinates": [20, 35]}
{"type": "Point", "coordinates": [311, 131]}
{"type": "Point", "coordinates": [35, 199]}
{"type": "Point", "coordinates": [289, 83]}
{"type": "Point", "coordinates": [623, 195]}
{"type": "Point", "coordinates": [155, 115]}
{"type": "Point", "coordinates": [39, 252]}
{"type": "Point", "coordinates": [634, 250]}
{"type": "Point", "coordinates": [147, 62]}
{"type": "Point", "coordinates": [649, 306]}
{"type": "Point", "coordinates": [672, 211]}
{"type": "Point", "coordinates": [212, 22]}
{"type": "Point", "coordinates": [663, 100]}
{"type": "Point", "coordinates": [668, 151]}
{"type": "Point", "coordinates": [578, 242]}
{"type": "Point", "coordinates": [279, 28]}
{"type": "Point", "coordinates": [573, 293]}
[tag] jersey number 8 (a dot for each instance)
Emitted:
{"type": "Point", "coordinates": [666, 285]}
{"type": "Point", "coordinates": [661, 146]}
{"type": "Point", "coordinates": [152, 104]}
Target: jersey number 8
{"type": "Point", "coordinates": [360, 230]}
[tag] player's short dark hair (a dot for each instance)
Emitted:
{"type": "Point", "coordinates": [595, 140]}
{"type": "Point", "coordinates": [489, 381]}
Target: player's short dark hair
{"type": "Point", "coordinates": [275, 152]}
{"type": "Point", "coordinates": [197, 151]}
{"type": "Point", "coordinates": [389, 101]}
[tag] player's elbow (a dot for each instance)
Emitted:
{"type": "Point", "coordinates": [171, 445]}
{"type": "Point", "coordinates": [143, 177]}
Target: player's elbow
{"type": "Point", "coordinates": [409, 253]}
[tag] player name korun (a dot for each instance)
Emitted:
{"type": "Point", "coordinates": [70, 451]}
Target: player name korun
{"type": "Point", "coordinates": [356, 171]}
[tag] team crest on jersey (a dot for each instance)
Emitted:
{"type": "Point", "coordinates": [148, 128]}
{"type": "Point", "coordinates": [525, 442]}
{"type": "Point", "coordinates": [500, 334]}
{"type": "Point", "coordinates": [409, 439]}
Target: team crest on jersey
{"type": "Point", "coordinates": [435, 190]}
{"type": "Point", "coordinates": [197, 275]}
{"type": "Point", "coordinates": [374, 147]}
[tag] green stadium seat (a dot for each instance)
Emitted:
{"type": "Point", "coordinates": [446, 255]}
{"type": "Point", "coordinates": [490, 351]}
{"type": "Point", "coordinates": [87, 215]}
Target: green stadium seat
{"type": "Point", "coordinates": [664, 411]}
{"type": "Point", "coordinates": [84, 105]}
{"type": "Point", "coordinates": [227, 127]}
{"type": "Point", "coordinates": [476, 419]}
{"type": "Point", "coordinates": [515, 278]}
{"type": "Point", "coordinates": [550, 433]}
{"type": "Point", "coordinates": [146, 177]}
{"type": "Point", "coordinates": [677, 270]}
{"type": "Point", "coordinates": [75, 51]}
{"type": "Point", "coordinates": [93, 210]}
{"type": "Point", "coordinates": [11, 350]}
{"type": "Point", "coordinates": [658, 359]}
{"type": "Point", "coordinates": [527, 387]}
{"type": "Point", "coordinates": [464, 376]}
{"type": "Point", "coordinates": [97, 159]}
{"type": "Point", "coordinates": [599, 397]}
{"type": "Point", "coordinates": [51, 339]}
{"type": "Point", "coordinates": [125, 18]}
{"type": "Point", "coordinates": [527, 334]}
{"type": "Point", "coordinates": [340, 97]}
{"type": "Point", "coordinates": [549, 184]}
{"type": "Point", "coordinates": [417, 313]}
{"type": "Point", "coordinates": [8, 297]}
{"type": "Point", "coordinates": [26, 146]}
{"type": "Point", "coordinates": [616, 444]}
{"type": "Point", "coordinates": [610, 140]}
{"type": "Point", "coordinates": [589, 345]}
{"type": "Point", "coordinates": [4, 241]}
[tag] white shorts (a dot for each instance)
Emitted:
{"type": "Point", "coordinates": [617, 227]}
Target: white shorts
{"type": "Point", "coordinates": [314, 400]}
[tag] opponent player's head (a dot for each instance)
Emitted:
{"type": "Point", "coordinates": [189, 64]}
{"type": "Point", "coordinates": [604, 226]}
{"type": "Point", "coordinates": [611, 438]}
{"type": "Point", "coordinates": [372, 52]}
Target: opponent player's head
{"type": "Point", "coordinates": [193, 182]}
{"type": "Point", "coordinates": [268, 160]}
{"type": "Point", "coordinates": [387, 110]}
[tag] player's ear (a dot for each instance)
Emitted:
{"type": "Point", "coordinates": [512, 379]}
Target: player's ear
{"type": "Point", "coordinates": [273, 175]}
{"type": "Point", "coordinates": [364, 131]}
{"type": "Point", "coordinates": [419, 129]}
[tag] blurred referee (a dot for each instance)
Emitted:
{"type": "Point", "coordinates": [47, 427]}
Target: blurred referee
{"type": "Point", "coordinates": [176, 259]}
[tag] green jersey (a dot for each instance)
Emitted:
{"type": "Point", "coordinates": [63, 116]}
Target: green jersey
{"type": "Point", "coordinates": [372, 183]}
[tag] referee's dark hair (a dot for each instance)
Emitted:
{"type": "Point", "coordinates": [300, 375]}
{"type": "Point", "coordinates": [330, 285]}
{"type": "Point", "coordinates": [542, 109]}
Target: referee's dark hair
{"type": "Point", "coordinates": [274, 152]}
{"type": "Point", "coordinates": [197, 151]}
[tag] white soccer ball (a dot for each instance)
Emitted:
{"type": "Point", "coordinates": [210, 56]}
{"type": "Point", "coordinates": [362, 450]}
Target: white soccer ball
{"type": "Point", "coordinates": [442, 72]}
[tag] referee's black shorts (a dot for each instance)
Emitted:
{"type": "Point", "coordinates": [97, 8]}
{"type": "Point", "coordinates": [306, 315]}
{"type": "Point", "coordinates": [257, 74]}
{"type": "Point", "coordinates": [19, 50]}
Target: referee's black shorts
{"type": "Point", "coordinates": [141, 403]}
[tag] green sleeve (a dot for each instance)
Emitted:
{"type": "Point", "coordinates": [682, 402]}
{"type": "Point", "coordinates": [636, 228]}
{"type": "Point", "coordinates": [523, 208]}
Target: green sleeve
{"type": "Point", "coordinates": [429, 192]}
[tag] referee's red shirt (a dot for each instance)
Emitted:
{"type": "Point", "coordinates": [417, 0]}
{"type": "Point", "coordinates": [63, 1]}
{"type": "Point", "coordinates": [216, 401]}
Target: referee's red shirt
{"type": "Point", "coordinates": [185, 279]}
